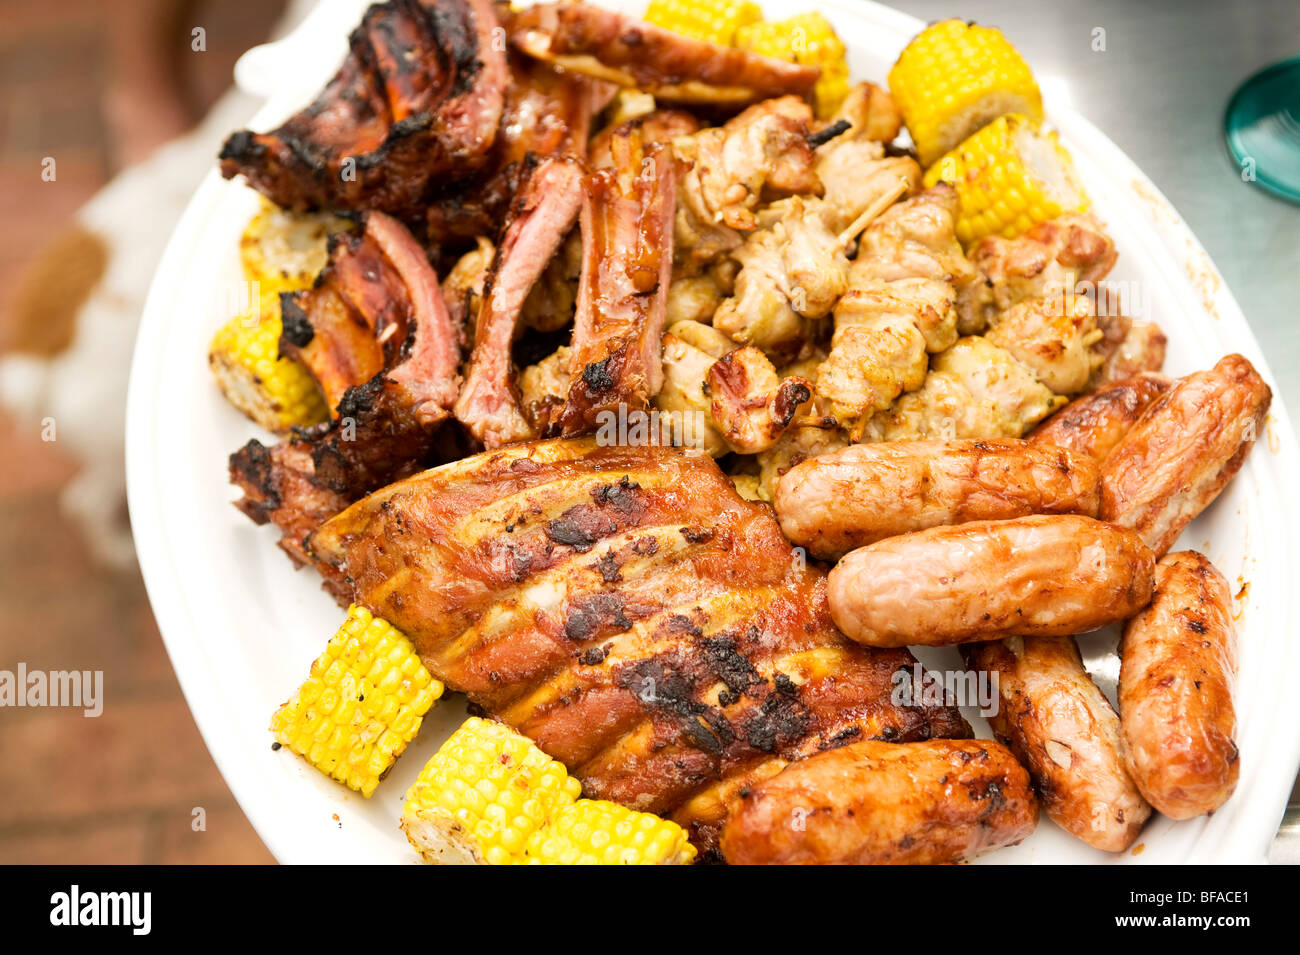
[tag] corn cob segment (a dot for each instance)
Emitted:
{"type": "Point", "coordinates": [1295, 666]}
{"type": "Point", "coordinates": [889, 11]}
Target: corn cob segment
{"type": "Point", "coordinates": [714, 21]}
{"type": "Point", "coordinates": [283, 251]}
{"type": "Point", "coordinates": [1009, 177]}
{"type": "Point", "coordinates": [490, 796]}
{"type": "Point", "coordinates": [278, 393]}
{"type": "Point", "coordinates": [955, 77]}
{"type": "Point", "coordinates": [362, 703]}
{"type": "Point", "coordinates": [809, 40]}
{"type": "Point", "coordinates": [596, 832]}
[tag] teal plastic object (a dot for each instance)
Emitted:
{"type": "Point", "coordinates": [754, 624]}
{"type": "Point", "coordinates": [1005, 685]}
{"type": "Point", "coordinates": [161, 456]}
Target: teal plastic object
{"type": "Point", "coordinates": [1262, 127]}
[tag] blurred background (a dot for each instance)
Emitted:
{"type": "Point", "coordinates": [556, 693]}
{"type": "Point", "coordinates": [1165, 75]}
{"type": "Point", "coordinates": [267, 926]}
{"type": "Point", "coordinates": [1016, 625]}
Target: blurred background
{"type": "Point", "coordinates": [98, 88]}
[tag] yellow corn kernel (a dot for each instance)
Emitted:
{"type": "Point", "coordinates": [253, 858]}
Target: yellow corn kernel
{"type": "Point", "coordinates": [714, 21]}
{"type": "Point", "coordinates": [362, 703]}
{"type": "Point", "coordinates": [953, 78]}
{"type": "Point", "coordinates": [810, 40]}
{"type": "Point", "coordinates": [283, 251]}
{"type": "Point", "coordinates": [596, 832]}
{"type": "Point", "coordinates": [482, 795]}
{"type": "Point", "coordinates": [278, 393]}
{"type": "Point", "coordinates": [1009, 177]}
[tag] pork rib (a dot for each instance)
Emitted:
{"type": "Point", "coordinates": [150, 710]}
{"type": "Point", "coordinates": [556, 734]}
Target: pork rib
{"type": "Point", "coordinates": [626, 609]}
{"type": "Point", "coordinates": [542, 215]}
{"type": "Point", "coordinates": [627, 239]}
{"type": "Point", "coordinates": [418, 97]}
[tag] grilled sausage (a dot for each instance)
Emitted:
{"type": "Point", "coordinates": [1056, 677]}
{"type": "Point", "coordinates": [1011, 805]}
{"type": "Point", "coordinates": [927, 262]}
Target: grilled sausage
{"type": "Point", "coordinates": [867, 492]}
{"type": "Point", "coordinates": [1045, 575]}
{"type": "Point", "coordinates": [1063, 730]}
{"type": "Point", "coordinates": [881, 803]}
{"type": "Point", "coordinates": [1177, 667]}
{"type": "Point", "coordinates": [1187, 446]}
{"type": "Point", "coordinates": [1095, 423]}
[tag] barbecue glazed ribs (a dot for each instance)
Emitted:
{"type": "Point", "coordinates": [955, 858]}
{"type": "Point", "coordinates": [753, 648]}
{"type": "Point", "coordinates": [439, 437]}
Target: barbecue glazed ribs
{"type": "Point", "coordinates": [630, 612]}
{"type": "Point", "coordinates": [419, 98]}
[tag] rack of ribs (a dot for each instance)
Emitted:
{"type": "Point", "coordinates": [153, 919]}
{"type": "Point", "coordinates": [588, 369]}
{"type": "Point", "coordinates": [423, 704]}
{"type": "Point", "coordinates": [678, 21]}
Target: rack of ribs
{"type": "Point", "coordinates": [629, 611]}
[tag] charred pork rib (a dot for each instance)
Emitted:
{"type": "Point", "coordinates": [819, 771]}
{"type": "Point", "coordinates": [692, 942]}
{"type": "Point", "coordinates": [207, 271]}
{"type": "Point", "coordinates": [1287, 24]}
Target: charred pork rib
{"type": "Point", "coordinates": [625, 608]}
{"type": "Point", "coordinates": [628, 52]}
{"type": "Point", "coordinates": [541, 217]}
{"type": "Point", "coordinates": [627, 237]}
{"type": "Point", "coordinates": [392, 392]}
{"type": "Point", "coordinates": [418, 97]}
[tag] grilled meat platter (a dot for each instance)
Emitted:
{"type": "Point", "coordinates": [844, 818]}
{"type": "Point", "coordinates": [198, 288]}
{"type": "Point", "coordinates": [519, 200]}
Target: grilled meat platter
{"type": "Point", "coordinates": [655, 385]}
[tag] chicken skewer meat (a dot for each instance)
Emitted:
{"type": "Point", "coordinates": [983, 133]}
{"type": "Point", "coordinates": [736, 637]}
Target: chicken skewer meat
{"type": "Point", "coordinates": [629, 612]}
{"type": "Point", "coordinates": [418, 98]}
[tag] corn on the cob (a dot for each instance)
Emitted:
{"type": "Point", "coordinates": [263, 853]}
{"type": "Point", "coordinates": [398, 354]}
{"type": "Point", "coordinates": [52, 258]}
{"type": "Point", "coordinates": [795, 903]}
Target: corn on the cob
{"type": "Point", "coordinates": [810, 40]}
{"type": "Point", "coordinates": [363, 702]}
{"type": "Point", "coordinates": [714, 21]}
{"type": "Point", "coordinates": [278, 393]}
{"type": "Point", "coordinates": [955, 77]}
{"type": "Point", "coordinates": [490, 795]}
{"type": "Point", "coordinates": [596, 832]}
{"type": "Point", "coordinates": [482, 795]}
{"type": "Point", "coordinates": [1009, 177]}
{"type": "Point", "coordinates": [284, 251]}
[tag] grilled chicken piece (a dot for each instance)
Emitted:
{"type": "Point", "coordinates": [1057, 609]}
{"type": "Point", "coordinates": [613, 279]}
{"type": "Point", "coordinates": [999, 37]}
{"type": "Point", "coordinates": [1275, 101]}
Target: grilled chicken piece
{"type": "Point", "coordinates": [382, 428]}
{"type": "Point", "coordinates": [1140, 350]}
{"type": "Point", "coordinates": [541, 217]}
{"type": "Point", "coordinates": [542, 389]}
{"type": "Point", "coordinates": [614, 47]}
{"type": "Point", "coordinates": [873, 803]}
{"type": "Point", "coordinates": [751, 405]}
{"type": "Point", "coordinates": [686, 370]}
{"type": "Point", "coordinates": [627, 216]}
{"type": "Point", "coordinates": [1053, 339]}
{"type": "Point", "coordinates": [1184, 450]}
{"type": "Point", "coordinates": [900, 305]}
{"type": "Point", "coordinates": [418, 99]}
{"type": "Point", "coordinates": [1050, 260]}
{"type": "Point", "coordinates": [1095, 423]}
{"type": "Point", "coordinates": [623, 607]}
{"type": "Point", "coordinates": [693, 299]}
{"type": "Point", "coordinates": [760, 155]}
{"type": "Point", "coordinates": [547, 113]}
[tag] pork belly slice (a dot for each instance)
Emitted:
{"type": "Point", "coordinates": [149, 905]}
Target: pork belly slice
{"type": "Point", "coordinates": [541, 217]}
{"type": "Point", "coordinates": [376, 311]}
{"type": "Point", "coordinates": [626, 609]}
{"type": "Point", "coordinates": [627, 249]}
{"type": "Point", "coordinates": [419, 97]}
{"type": "Point", "coordinates": [620, 49]}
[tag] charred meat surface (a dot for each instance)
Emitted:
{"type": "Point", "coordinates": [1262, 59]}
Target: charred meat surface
{"type": "Point", "coordinates": [627, 257]}
{"type": "Point", "coordinates": [418, 97]}
{"type": "Point", "coordinates": [626, 609]}
{"type": "Point", "coordinates": [628, 52]}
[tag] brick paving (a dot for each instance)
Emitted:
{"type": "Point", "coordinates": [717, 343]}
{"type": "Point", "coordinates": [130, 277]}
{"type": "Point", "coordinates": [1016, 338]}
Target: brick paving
{"type": "Point", "coordinates": [77, 82]}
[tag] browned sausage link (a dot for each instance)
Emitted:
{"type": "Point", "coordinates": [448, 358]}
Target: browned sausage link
{"type": "Point", "coordinates": [1063, 730]}
{"type": "Point", "coordinates": [1187, 446]}
{"type": "Point", "coordinates": [867, 492]}
{"type": "Point", "coordinates": [885, 803]}
{"type": "Point", "coordinates": [1095, 423]}
{"type": "Point", "coordinates": [1178, 661]}
{"type": "Point", "coordinates": [1044, 575]}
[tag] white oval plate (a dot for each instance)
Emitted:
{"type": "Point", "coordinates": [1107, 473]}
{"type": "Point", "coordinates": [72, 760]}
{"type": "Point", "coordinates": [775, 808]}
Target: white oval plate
{"type": "Point", "coordinates": [242, 627]}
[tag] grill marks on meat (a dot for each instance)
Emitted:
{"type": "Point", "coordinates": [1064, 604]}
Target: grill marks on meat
{"type": "Point", "coordinates": [624, 608]}
{"type": "Point", "coordinates": [627, 223]}
{"type": "Point", "coordinates": [383, 427]}
{"type": "Point", "coordinates": [418, 97]}
{"type": "Point", "coordinates": [543, 213]}
{"type": "Point", "coordinates": [615, 47]}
